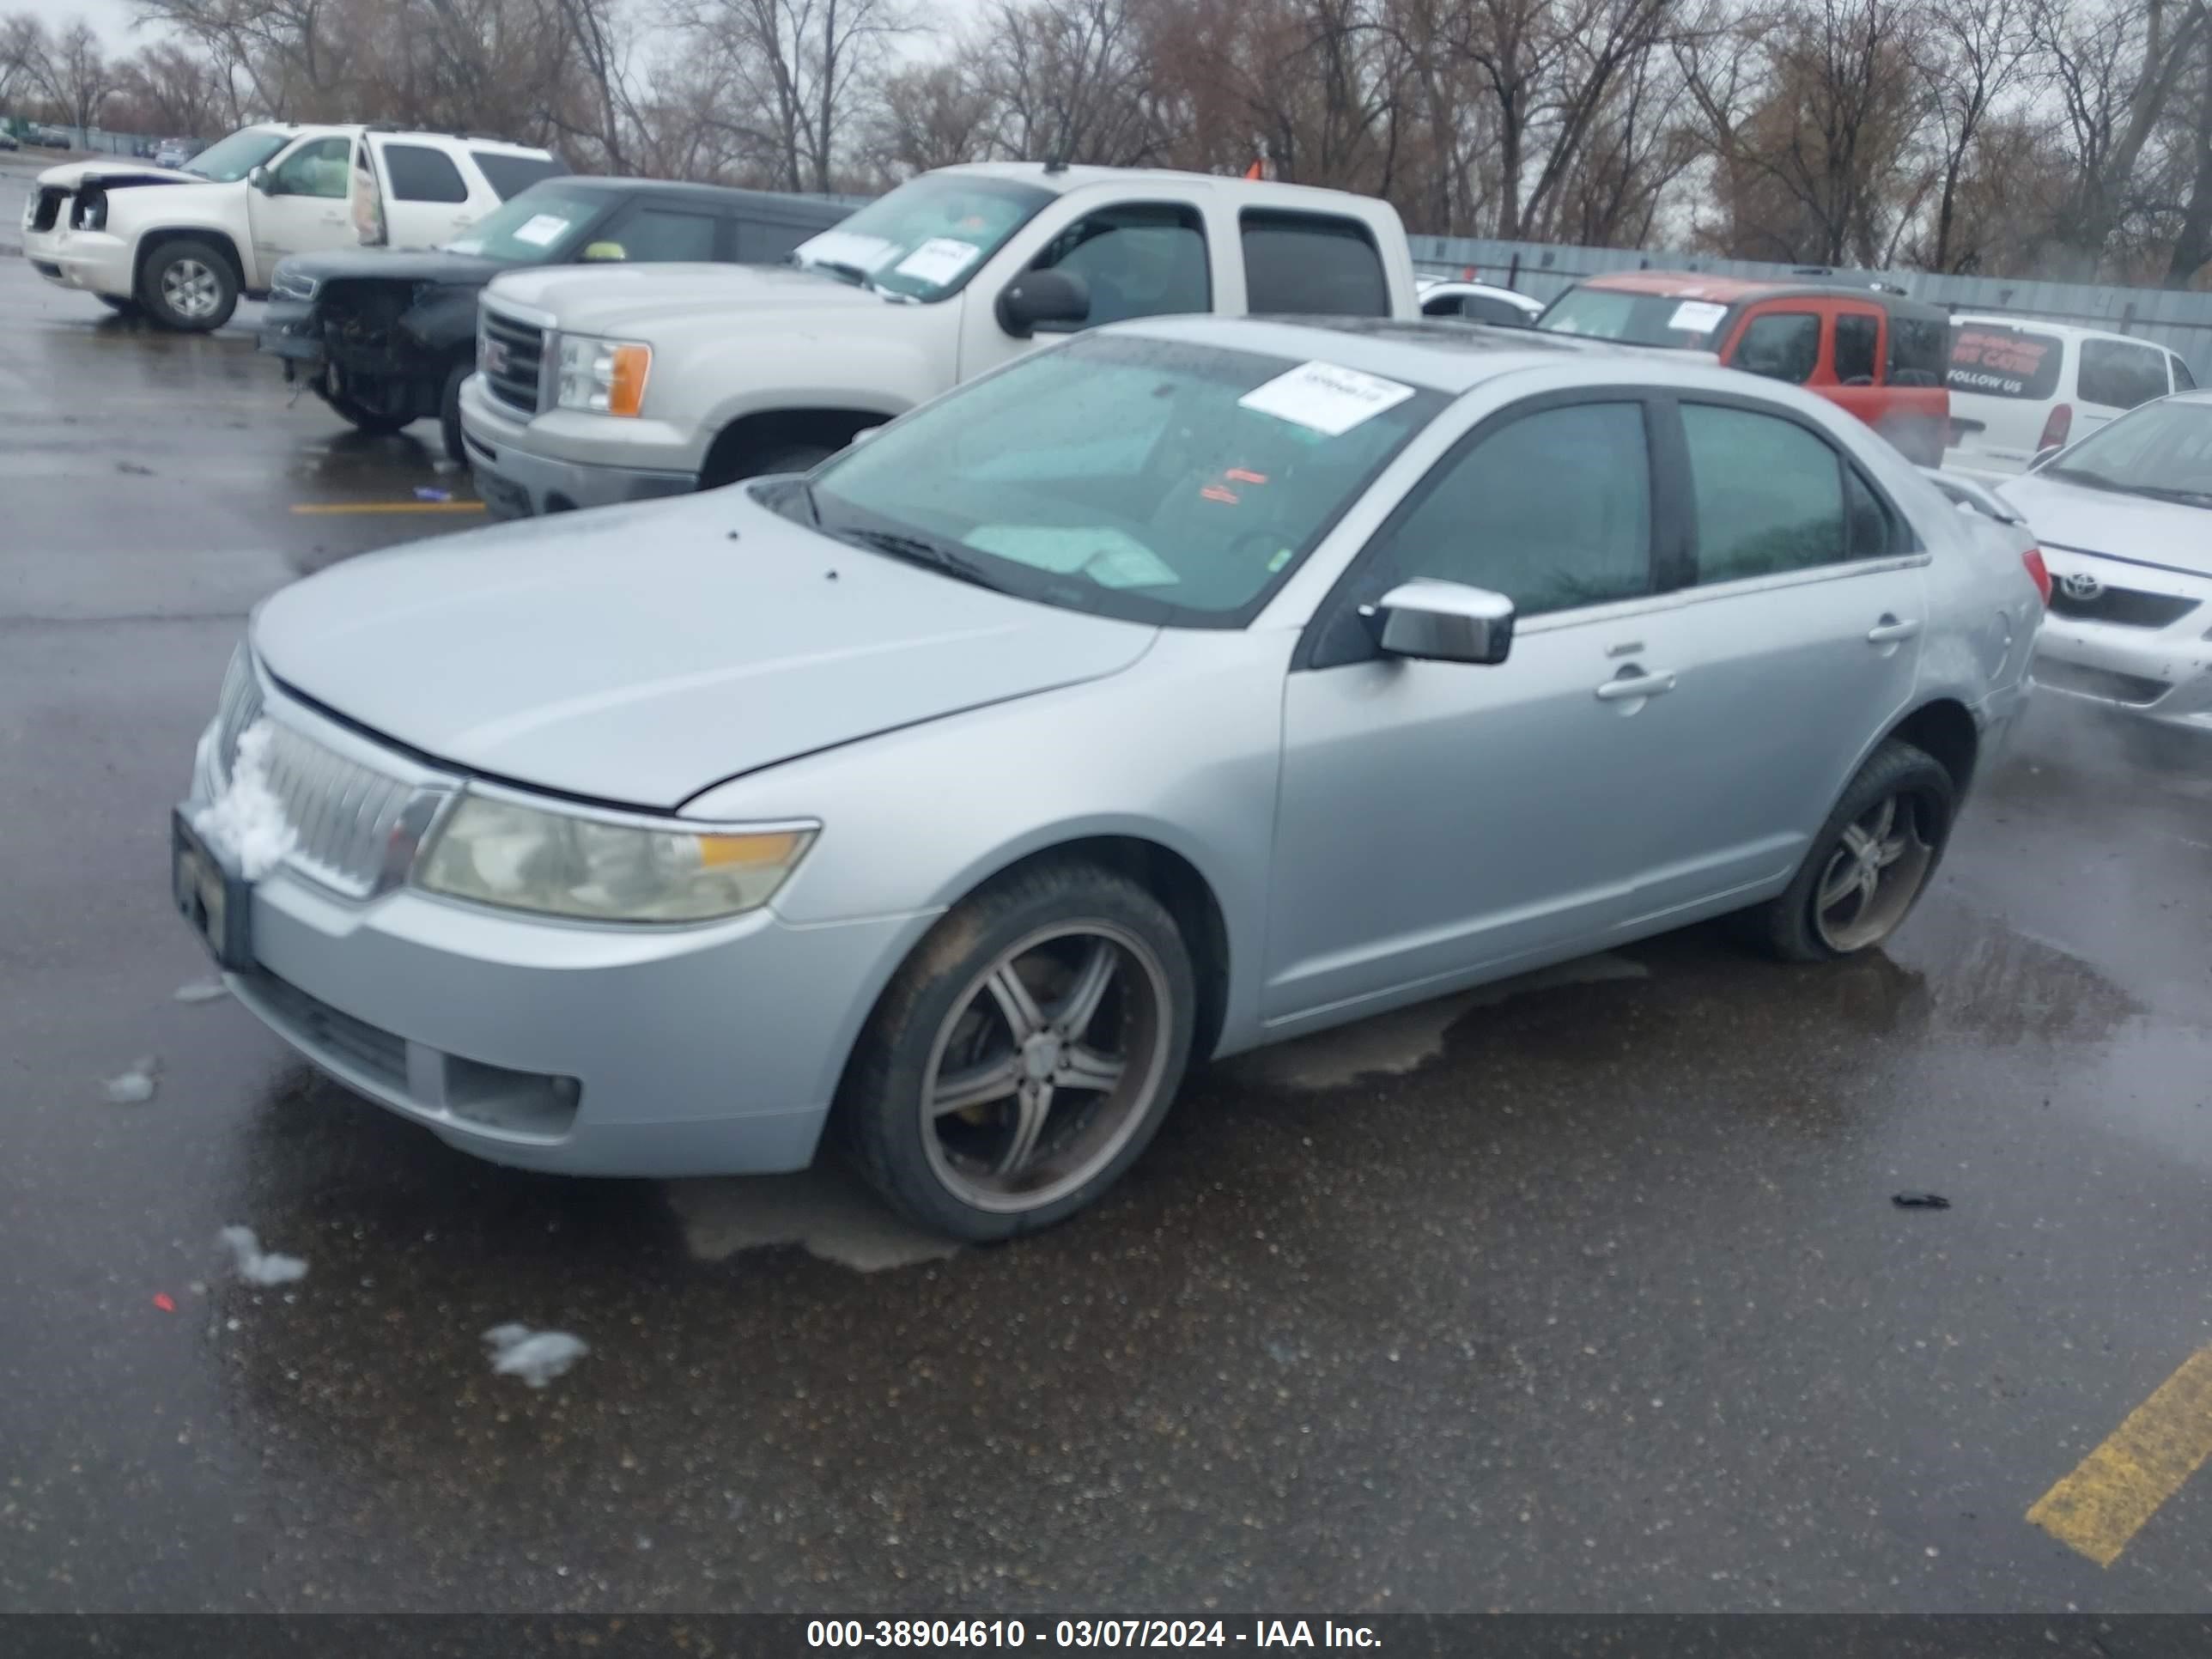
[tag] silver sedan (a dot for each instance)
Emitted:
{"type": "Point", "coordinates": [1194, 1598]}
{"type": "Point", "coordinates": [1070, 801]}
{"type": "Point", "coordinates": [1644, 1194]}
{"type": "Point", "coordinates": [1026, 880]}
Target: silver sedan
{"type": "Point", "coordinates": [1189, 686]}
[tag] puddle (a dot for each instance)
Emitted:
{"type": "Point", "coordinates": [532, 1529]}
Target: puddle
{"type": "Point", "coordinates": [1395, 1043]}
{"type": "Point", "coordinates": [822, 1208]}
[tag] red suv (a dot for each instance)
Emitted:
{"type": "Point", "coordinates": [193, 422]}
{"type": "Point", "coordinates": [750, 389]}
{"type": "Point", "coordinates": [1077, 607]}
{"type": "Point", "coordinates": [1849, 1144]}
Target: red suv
{"type": "Point", "coordinates": [1878, 355]}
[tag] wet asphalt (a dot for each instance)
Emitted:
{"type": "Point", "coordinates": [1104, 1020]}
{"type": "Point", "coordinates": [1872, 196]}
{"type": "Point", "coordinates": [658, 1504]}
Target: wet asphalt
{"type": "Point", "coordinates": [1582, 1293]}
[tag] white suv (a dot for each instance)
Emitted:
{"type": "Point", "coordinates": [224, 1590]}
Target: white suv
{"type": "Point", "coordinates": [184, 244]}
{"type": "Point", "coordinates": [2021, 385]}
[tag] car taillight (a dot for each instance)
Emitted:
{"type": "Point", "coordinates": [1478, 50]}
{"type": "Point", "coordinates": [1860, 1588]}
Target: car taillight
{"type": "Point", "coordinates": [2055, 428]}
{"type": "Point", "coordinates": [2037, 572]}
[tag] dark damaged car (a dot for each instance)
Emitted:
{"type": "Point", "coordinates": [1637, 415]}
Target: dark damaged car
{"type": "Point", "coordinates": [386, 335]}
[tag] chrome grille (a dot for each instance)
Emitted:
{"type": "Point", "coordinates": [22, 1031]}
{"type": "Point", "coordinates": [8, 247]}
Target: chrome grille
{"type": "Point", "coordinates": [346, 816]}
{"type": "Point", "coordinates": [511, 355]}
{"type": "Point", "coordinates": [239, 707]}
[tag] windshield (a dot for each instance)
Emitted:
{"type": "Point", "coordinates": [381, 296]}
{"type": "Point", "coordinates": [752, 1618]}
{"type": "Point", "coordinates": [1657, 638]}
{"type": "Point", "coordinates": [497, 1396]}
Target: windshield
{"type": "Point", "coordinates": [228, 160]}
{"type": "Point", "coordinates": [1150, 480]}
{"type": "Point", "coordinates": [923, 239]}
{"type": "Point", "coordinates": [535, 228]}
{"type": "Point", "coordinates": [2163, 450]}
{"type": "Point", "coordinates": [1651, 319]}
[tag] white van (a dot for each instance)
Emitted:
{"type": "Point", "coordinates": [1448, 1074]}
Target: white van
{"type": "Point", "coordinates": [2021, 385]}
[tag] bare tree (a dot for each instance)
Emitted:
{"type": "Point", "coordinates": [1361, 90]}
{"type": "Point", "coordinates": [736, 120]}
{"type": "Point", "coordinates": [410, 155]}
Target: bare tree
{"type": "Point", "coordinates": [77, 76]}
{"type": "Point", "coordinates": [1973, 53]}
{"type": "Point", "coordinates": [23, 54]}
{"type": "Point", "coordinates": [175, 89]}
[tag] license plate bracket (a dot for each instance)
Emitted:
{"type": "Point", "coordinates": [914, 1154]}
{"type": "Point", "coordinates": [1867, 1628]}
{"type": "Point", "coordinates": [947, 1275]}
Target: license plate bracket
{"type": "Point", "coordinates": [216, 903]}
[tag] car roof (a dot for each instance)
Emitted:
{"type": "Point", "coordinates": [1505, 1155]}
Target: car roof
{"type": "Point", "coordinates": [2064, 330]}
{"type": "Point", "coordinates": [355, 128]}
{"type": "Point", "coordinates": [1449, 355]}
{"type": "Point", "coordinates": [601, 182]}
{"type": "Point", "coordinates": [1736, 290]}
{"type": "Point", "coordinates": [1428, 285]}
{"type": "Point", "coordinates": [1061, 180]}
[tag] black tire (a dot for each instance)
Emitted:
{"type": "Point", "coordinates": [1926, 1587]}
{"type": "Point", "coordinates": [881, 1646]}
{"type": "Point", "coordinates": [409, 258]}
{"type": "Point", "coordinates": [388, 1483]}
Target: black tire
{"type": "Point", "coordinates": [879, 1118]}
{"type": "Point", "coordinates": [1791, 926]}
{"type": "Point", "coordinates": [762, 463]}
{"type": "Point", "coordinates": [188, 285]}
{"type": "Point", "coordinates": [449, 412]}
{"type": "Point", "coordinates": [374, 422]}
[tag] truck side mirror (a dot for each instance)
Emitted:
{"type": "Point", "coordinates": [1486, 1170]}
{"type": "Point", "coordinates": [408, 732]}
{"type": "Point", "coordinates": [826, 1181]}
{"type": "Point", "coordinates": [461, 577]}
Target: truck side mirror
{"type": "Point", "coordinates": [258, 178]}
{"type": "Point", "coordinates": [1037, 299]}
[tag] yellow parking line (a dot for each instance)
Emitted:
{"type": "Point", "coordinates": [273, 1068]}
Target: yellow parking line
{"type": "Point", "coordinates": [327, 508]}
{"type": "Point", "coordinates": [2117, 1487]}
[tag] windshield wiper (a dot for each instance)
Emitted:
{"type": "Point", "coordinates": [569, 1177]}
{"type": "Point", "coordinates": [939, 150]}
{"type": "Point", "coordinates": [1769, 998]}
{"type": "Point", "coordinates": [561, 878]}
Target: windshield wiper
{"type": "Point", "coordinates": [915, 550]}
{"type": "Point", "coordinates": [2156, 492]}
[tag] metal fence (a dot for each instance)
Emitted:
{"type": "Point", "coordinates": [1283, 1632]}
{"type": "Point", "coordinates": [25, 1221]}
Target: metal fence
{"type": "Point", "coordinates": [2180, 321]}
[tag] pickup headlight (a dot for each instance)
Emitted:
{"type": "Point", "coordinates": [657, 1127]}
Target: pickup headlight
{"type": "Point", "coordinates": [604, 376]}
{"type": "Point", "coordinates": [91, 212]}
{"type": "Point", "coordinates": [605, 868]}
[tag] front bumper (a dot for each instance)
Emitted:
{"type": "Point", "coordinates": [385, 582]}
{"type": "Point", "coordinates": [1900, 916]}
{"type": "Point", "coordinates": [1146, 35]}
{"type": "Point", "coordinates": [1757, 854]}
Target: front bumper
{"type": "Point", "coordinates": [291, 330]}
{"type": "Point", "coordinates": [580, 1049]}
{"type": "Point", "coordinates": [519, 478]}
{"type": "Point", "coordinates": [88, 261]}
{"type": "Point", "coordinates": [2161, 673]}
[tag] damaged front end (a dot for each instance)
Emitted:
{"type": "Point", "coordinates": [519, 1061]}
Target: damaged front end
{"type": "Point", "coordinates": [379, 347]}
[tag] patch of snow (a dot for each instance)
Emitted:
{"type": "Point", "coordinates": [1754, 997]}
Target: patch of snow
{"type": "Point", "coordinates": [246, 821]}
{"type": "Point", "coordinates": [202, 990]}
{"type": "Point", "coordinates": [135, 1086]}
{"type": "Point", "coordinates": [536, 1357]}
{"type": "Point", "coordinates": [256, 1266]}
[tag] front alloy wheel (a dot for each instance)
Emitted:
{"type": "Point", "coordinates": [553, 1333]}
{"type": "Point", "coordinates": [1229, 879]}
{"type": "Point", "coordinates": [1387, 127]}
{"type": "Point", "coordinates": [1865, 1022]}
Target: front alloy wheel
{"type": "Point", "coordinates": [1045, 1066]}
{"type": "Point", "coordinates": [1022, 1057]}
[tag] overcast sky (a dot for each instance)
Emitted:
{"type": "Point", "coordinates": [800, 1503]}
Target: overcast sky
{"type": "Point", "coordinates": [111, 17]}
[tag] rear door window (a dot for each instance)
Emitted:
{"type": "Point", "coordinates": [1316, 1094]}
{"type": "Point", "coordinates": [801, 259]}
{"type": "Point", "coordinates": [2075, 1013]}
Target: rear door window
{"type": "Point", "coordinates": [1858, 337]}
{"type": "Point", "coordinates": [1998, 361]}
{"type": "Point", "coordinates": [419, 174]}
{"type": "Point", "coordinates": [1781, 345]}
{"type": "Point", "coordinates": [1919, 349]}
{"type": "Point", "coordinates": [2120, 375]}
{"type": "Point", "coordinates": [1312, 264]}
{"type": "Point", "coordinates": [1769, 495]}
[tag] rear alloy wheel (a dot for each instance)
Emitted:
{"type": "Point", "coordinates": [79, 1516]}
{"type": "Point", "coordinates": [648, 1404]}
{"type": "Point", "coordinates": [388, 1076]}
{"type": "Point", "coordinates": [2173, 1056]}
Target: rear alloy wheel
{"type": "Point", "coordinates": [1869, 864]}
{"type": "Point", "coordinates": [1023, 1057]}
{"type": "Point", "coordinates": [189, 285]}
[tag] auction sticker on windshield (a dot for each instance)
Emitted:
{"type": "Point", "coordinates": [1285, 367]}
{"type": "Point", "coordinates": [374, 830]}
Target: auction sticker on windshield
{"type": "Point", "coordinates": [1697, 317]}
{"type": "Point", "coordinates": [1325, 397]}
{"type": "Point", "coordinates": [542, 231]}
{"type": "Point", "coordinates": [940, 260]}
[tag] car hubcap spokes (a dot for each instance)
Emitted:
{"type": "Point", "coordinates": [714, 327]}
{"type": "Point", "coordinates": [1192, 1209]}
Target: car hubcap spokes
{"type": "Point", "coordinates": [1873, 876]}
{"type": "Point", "coordinates": [190, 288]}
{"type": "Point", "coordinates": [1046, 1065]}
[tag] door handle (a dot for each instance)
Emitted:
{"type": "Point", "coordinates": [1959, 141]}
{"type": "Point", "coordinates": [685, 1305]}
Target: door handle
{"type": "Point", "coordinates": [1889, 631]}
{"type": "Point", "coordinates": [1627, 685]}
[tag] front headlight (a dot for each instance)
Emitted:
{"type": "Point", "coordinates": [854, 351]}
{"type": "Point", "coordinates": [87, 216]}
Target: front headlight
{"type": "Point", "coordinates": [605, 869]}
{"type": "Point", "coordinates": [604, 376]}
{"type": "Point", "coordinates": [91, 211]}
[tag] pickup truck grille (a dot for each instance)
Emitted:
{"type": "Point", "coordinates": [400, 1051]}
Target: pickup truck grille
{"type": "Point", "coordinates": [511, 355]}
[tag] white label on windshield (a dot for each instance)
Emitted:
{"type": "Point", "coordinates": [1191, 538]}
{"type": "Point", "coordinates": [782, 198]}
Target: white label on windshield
{"type": "Point", "coordinates": [1697, 317]}
{"type": "Point", "coordinates": [847, 247]}
{"type": "Point", "coordinates": [1325, 397]}
{"type": "Point", "coordinates": [940, 260]}
{"type": "Point", "coordinates": [540, 231]}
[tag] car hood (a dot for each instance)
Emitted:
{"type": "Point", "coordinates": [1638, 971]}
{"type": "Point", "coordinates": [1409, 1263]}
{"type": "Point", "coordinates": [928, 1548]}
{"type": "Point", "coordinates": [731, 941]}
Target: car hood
{"type": "Point", "coordinates": [612, 299]}
{"type": "Point", "coordinates": [117, 173]}
{"type": "Point", "coordinates": [640, 654]}
{"type": "Point", "coordinates": [2063, 515]}
{"type": "Point", "coordinates": [402, 264]}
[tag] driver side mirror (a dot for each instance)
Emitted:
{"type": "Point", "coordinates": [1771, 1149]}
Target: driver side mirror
{"type": "Point", "coordinates": [1037, 298]}
{"type": "Point", "coordinates": [1444, 622]}
{"type": "Point", "coordinates": [260, 179]}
